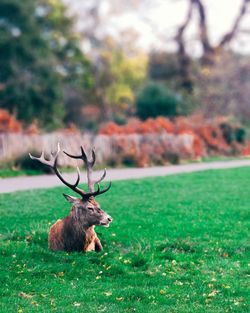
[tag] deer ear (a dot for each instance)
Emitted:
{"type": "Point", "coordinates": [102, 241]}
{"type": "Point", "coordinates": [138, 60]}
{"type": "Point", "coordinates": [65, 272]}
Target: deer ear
{"type": "Point", "coordinates": [70, 198]}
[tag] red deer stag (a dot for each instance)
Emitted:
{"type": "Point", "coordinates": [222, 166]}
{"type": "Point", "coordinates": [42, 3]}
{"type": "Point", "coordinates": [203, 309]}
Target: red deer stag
{"type": "Point", "coordinates": [75, 232]}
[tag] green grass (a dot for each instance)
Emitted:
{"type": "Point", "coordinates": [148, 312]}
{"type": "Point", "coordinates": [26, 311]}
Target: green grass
{"type": "Point", "coordinates": [8, 172]}
{"type": "Point", "coordinates": [177, 244]}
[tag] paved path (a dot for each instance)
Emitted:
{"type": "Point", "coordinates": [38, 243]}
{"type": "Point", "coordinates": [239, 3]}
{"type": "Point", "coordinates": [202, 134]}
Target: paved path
{"type": "Point", "coordinates": [49, 181]}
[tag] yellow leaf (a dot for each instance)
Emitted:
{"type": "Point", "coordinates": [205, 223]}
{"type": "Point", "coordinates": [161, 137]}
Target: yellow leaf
{"type": "Point", "coordinates": [162, 292]}
{"type": "Point", "coordinates": [119, 298]}
{"type": "Point", "coordinates": [24, 295]}
{"type": "Point", "coordinates": [213, 293]}
{"type": "Point", "coordinates": [60, 274]}
{"type": "Point", "coordinates": [226, 286]}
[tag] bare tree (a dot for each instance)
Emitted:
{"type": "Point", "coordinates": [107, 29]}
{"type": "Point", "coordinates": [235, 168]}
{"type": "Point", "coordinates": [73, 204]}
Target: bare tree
{"type": "Point", "coordinates": [210, 51]}
{"type": "Point", "coordinates": [184, 59]}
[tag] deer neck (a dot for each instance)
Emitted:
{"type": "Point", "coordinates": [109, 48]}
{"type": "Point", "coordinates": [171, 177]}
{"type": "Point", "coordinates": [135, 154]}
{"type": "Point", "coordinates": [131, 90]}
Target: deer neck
{"type": "Point", "coordinates": [79, 227]}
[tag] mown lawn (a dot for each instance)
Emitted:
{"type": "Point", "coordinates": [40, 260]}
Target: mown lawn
{"type": "Point", "coordinates": [177, 244]}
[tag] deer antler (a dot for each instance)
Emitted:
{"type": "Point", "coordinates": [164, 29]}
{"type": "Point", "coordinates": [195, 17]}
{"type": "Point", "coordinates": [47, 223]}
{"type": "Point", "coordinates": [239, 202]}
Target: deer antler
{"type": "Point", "coordinates": [52, 163]}
{"type": "Point", "coordinates": [89, 167]}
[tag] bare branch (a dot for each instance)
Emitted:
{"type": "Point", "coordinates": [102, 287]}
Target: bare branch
{"type": "Point", "coordinates": [184, 61]}
{"type": "Point", "coordinates": [227, 38]}
{"type": "Point", "coordinates": [203, 25]}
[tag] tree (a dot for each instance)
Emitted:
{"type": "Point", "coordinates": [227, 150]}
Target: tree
{"type": "Point", "coordinates": [209, 50]}
{"type": "Point", "coordinates": [116, 79]}
{"type": "Point", "coordinates": [128, 74]}
{"type": "Point", "coordinates": [38, 57]}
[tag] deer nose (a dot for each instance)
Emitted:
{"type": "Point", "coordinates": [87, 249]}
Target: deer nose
{"type": "Point", "coordinates": [110, 219]}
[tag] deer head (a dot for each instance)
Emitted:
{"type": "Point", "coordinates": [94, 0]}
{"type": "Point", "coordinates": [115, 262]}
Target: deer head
{"type": "Point", "coordinates": [85, 210]}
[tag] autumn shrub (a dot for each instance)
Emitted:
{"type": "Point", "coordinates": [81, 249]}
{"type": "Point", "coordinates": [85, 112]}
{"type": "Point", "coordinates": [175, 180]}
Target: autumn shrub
{"type": "Point", "coordinates": [160, 141]}
{"type": "Point", "coordinates": [8, 123]}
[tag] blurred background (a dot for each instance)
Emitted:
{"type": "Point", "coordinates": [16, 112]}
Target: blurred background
{"type": "Point", "coordinates": [145, 82]}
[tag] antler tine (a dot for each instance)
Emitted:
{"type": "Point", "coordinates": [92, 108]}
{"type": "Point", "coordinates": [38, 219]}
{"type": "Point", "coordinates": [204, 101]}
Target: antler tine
{"type": "Point", "coordinates": [105, 190]}
{"type": "Point", "coordinates": [94, 193]}
{"type": "Point", "coordinates": [42, 159]}
{"type": "Point", "coordinates": [71, 186]}
{"type": "Point", "coordinates": [52, 162]}
{"type": "Point", "coordinates": [102, 177]}
{"type": "Point", "coordinates": [89, 167]}
{"type": "Point", "coordinates": [83, 157]}
{"type": "Point", "coordinates": [93, 158]}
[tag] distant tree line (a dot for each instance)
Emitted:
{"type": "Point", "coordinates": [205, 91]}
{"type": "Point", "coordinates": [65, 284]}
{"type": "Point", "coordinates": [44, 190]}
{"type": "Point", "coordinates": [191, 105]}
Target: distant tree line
{"type": "Point", "coordinates": [46, 76]}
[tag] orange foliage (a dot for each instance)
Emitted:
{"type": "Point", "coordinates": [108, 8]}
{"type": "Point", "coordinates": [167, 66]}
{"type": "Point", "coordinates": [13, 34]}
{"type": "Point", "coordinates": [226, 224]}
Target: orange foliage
{"type": "Point", "coordinates": [71, 129]}
{"type": "Point", "coordinates": [33, 128]}
{"type": "Point", "coordinates": [91, 112]}
{"type": "Point", "coordinates": [207, 135]}
{"type": "Point", "coordinates": [246, 150]}
{"type": "Point", "coordinates": [8, 123]}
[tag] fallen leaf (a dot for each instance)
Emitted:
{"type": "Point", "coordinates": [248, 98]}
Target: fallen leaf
{"type": "Point", "coordinates": [34, 303]}
{"type": "Point", "coordinates": [60, 274]}
{"type": "Point", "coordinates": [179, 283]}
{"type": "Point", "coordinates": [28, 238]}
{"type": "Point", "coordinates": [213, 293]}
{"type": "Point", "coordinates": [226, 286]}
{"type": "Point", "coordinates": [119, 298]}
{"type": "Point", "coordinates": [24, 295]}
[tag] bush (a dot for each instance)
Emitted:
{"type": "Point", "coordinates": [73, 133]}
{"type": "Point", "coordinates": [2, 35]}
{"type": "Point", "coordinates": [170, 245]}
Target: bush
{"type": "Point", "coordinates": [155, 99]}
{"type": "Point", "coordinates": [240, 135]}
{"type": "Point", "coordinates": [227, 131]}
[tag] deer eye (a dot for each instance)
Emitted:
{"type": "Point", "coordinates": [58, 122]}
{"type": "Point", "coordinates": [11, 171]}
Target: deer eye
{"type": "Point", "coordinates": [90, 208]}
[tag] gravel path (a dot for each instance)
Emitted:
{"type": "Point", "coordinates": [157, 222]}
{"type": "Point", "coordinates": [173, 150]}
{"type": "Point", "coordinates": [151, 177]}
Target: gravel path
{"type": "Point", "coordinates": [49, 181]}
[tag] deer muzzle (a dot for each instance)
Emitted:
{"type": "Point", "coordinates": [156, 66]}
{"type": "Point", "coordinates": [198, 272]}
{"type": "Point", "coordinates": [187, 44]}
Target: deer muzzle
{"type": "Point", "coordinates": [106, 221]}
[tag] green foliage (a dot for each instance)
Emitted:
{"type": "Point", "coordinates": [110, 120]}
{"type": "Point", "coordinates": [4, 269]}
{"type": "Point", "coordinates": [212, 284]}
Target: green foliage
{"type": "Point", "coordinates": [117, 78]}
{"type": "Point", "coordinates": [155, 99]}
{"type": "Point", "coordinates": [231, 134]}
{"type": "Point", "coordinates": [184, 252]}
{"type": "Point", "coordinates": [39, 56]}
{"type": "Point", "coordinates": [128, 73]}
{"type": "Point", "coordinates": [240, 135]}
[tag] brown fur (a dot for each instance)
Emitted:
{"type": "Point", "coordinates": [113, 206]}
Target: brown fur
{"type": "Point", "coordinates": [76, 231]}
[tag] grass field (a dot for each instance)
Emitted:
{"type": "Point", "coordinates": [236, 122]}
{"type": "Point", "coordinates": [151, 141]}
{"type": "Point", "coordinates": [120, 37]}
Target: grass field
{"type": "Point", "coordinates": [177, 244]}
